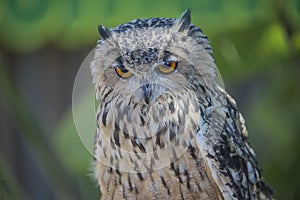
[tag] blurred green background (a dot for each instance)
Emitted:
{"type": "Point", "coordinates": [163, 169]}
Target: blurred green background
{"type": "Point", "coordinates": [42, 44]}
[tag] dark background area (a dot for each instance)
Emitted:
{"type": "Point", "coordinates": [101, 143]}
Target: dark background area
{"type": "Point", "coordinates": [42, 44]}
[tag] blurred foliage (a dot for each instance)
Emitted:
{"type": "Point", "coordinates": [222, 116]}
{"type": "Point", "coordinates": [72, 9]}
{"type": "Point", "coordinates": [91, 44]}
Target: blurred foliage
{"type": "Point", "coordinates": [69, 24]}
{"type": "Point", "coordinates": [256, 46]}
{"type": "Point", "coordinates": [9, 186]}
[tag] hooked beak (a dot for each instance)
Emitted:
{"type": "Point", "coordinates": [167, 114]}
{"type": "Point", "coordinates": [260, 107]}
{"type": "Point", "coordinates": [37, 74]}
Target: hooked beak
{"type": "Point", "coordinates": [147, 90]}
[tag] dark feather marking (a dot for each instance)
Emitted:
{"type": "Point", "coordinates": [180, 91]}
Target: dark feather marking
{"type": "Point", "coordinates": [126, 135]}
{"type": "Point", "coordinates": [193, 30]}
{"type": "Point", "coordinates": [188, 185]}
{"type": "Point", "coordinates": [111, 160]}
{"type": "Point", "coordinates": [139, 145]}
{"type": "Point", "coordinates": [152, 162]}
{"type": "Point", "coordinates": [176, 171]}
{"type": "Point", "coordinates": [100, 142]}
{"type": "Point", "coordinates": [171, 107]}
{"type": "Point", "coordinates": [142, 148]}
{"type": "Point", "coordinates": [129, 182]}
{"type": "Point", "coordinates": [116, 135]}
{"type": "Point", "coordinates": [142, 120]}
{"type": "Point", "coordinates": [123, 192]}
{"type": "Point", "coordinates": [98, 115]}
{"type": "Point", "coordinates": [143, 110]}
{"type": "Point", "coordinates": [136, 154]}
{"type": "Point", "coordinates": [141, 178]}
{"type": "Point", "coordinates": [104, 116]}
{"type": "Point", "coordinates": [179, 118]}
{"type": "Point", "coordinates": [208, 49]}
{"type": "Point", "coordinates": [165, 184]}
{"type": "Point", "coordinates": [112, 144]}
{"type": "Point", "coordinates": [158, 141]}
{"type": "Point", "coordinates": [192, 152]}
{"type": "Point", "coordinates": [181, 193]}
{"type": "Point", "coordinates": [125, 131]}
{"type": "Point", "coordinates": [103, 89]}
{"type": "Point", "coordinates": [134, 162]}
{"type": "Point", "coordinates": [155, 154]}
{"type": "Point", "coordinates": [120, 176]}
{"type": "Point", "coordinates": [191, 134]}
{"type": "Point", "coordinates": [106, 94]}
{"type": "Point", "coordinates": [172, 131]}
{"type": "Point", "coordinates": [199, 186]}
{"type": "Point", "coordinates": [200, 173]}
{"type": "Point", "coordinates": [210, 156]}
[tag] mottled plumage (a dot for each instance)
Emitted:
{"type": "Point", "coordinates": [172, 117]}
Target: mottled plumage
{"type": "Point", "coordinates": [165, 128]}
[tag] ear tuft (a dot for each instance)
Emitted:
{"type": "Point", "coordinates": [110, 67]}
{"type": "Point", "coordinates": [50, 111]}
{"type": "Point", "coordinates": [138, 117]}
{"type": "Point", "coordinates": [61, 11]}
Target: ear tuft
{"type": "Point", "coordinates": [104, 32]}
{"type": "Point", "coordinates": [184, 20]}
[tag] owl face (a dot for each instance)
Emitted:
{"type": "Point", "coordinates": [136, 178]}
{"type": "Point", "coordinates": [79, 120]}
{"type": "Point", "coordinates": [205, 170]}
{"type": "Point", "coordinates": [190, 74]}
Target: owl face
{"type": "Point", "coordinates": [146, 58]}
{"type": "Point", "coordinates": [147, 74]}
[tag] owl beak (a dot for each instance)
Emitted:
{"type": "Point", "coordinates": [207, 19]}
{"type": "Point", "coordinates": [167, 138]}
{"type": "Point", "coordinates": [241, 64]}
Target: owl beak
{"type": "Point", "coordinates": [147, 90]}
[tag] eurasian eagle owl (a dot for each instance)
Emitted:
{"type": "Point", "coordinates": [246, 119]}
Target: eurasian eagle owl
{"type": "Point", "coordinates": [165, 128]}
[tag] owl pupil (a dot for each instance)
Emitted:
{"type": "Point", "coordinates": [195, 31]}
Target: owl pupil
{"type": "Point", "coordinates": [171, 64]}
{"type": "Point", "coordinates": [168, 64]}
{"type": "Point", "coordinates": [123, 69]}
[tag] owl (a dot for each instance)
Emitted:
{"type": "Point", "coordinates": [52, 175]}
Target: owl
{"type": "Point", "coordinates": [166, 129]}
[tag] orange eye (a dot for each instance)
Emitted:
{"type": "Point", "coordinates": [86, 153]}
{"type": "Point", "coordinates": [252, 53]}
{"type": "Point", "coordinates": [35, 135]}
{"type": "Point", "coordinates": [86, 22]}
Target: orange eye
{"type": "Point", "coordinates": [168, 68]}
{"type": "Point", "coordinates": [123, 72]}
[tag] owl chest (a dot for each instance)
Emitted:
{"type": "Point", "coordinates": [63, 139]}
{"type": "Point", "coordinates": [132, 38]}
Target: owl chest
{"type": "Point", "coordinates": [151, 154]}
{"type": "Point", "coordinates": [186, 178]}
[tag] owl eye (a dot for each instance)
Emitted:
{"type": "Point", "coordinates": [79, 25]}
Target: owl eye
{"type": "Point", "coordinates": [168, 67]}
{"type": "Point", "coordinates": [122, 71]}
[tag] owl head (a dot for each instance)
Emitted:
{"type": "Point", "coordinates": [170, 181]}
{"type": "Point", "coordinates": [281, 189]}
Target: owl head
{"type": "Point", "coordinates": [144, 58]}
